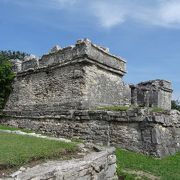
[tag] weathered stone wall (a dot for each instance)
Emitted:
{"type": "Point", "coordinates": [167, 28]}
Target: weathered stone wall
{"type": "Point", "coordinates": [155, 93]}
{"type": "Point", "coordinates": [80, 77]}
{"type": "Point", "coordinates": [164, 99]}
{"type": "Point", "coordinates": [96, 165]}
{"type": "Point", "coordinates": [156, 134]}
{"type": "Point", "coordinates": [77, 86]}
{"type": "Point", "coordinates": [47, 89]}
{"type": "Point", "coordinates": [104, 88]}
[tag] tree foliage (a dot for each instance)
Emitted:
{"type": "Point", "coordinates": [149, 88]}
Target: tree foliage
{"type": "Point", "coordinates": [6, 77]}
{"type": "Point", "coordinates": [175, 104]}
{"type": "Point", "coordinates": [6, 74]}
{"type": "Point", "coordinates": [13, 54]}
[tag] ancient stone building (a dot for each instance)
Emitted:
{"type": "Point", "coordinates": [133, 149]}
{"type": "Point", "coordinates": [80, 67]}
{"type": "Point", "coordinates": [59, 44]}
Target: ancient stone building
{"type": "Point", "coordinates": [156, 93]}
{"type": "Point", "coordinates": [60, 92]}
{"type": "Point", "coordinates": [77, 77]}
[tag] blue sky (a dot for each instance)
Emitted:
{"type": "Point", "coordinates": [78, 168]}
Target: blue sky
{"type": "Point", "coordinates": [144, 32]}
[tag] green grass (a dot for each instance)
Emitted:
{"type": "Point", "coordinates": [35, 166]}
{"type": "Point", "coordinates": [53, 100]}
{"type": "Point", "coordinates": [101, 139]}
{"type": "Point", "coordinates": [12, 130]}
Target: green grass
{"type": "Point", "coordinates": [5, 127]}
{"type": "Point", "coordinates": [17, 150]}
{"type": "Point", "coordinates": [157, 109]}
{"type": "Point", "coordinates": [113, 108]}
{"type": "Point", "coordinates": [167, 168]}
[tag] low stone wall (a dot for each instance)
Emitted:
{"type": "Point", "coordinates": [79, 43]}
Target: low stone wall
{"type": "Point", "coordinates": [97, 166]}
{"type": "Point", "coordinates": [156, 134]}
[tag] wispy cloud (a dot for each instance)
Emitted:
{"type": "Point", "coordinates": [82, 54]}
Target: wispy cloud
{"type": "Point", "coordinates": [108, 13]}
{"type": "Point", "coordinates": [159, 12]}
{"type": "Point", "coordinates": [169, 12]}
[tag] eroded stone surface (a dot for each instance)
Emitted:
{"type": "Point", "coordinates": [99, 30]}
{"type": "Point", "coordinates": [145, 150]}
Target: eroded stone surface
{"type": "Point", "coordinates": [96, 165]}
{"type": "Point", "coordinates": [156, 93]}
{"type": "Point", "coordinates": [80, 77]}
{"type": "Point", "coordinates": [156, 134]}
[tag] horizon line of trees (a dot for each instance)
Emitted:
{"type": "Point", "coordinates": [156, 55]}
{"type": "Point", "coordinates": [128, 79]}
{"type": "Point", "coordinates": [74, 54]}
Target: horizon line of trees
{"type": "Point", "coordinates": [9, 54]}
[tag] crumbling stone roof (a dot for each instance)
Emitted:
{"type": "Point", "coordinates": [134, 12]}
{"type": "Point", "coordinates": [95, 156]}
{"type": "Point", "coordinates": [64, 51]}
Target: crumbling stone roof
{"type": "Point", "coordinates": [83, 51]}
{"type": "Point", "coordinates": [154, 85]}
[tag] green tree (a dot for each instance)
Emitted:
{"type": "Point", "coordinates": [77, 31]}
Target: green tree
{"type": "Point", "coordinates": [175, 104]}
{"type": "Point", "coordinates": [6, 78]}
{"type": "Point", "coordinates": [6, 74]}
{"type": "Point", "coordinates": [13, 54]}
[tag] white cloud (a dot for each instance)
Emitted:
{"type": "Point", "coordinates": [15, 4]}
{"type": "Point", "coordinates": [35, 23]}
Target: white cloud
{"type": "Point", "coordinates": [158, 12]}
{"type": "Point", "coordinates": [169, 12]}
{"type": "Point", "coordinates": [108, 13]}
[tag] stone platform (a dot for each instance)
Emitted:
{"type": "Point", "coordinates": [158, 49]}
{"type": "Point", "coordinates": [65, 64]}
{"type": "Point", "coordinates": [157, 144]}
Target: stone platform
{"type": "Point", "coordinates": [137, 129]}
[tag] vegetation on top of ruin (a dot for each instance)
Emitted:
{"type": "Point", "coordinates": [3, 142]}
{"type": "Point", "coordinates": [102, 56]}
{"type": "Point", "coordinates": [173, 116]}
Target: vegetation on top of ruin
{"type": "Point", "coordinates": [113, 108]}
{"type": "Point", "coordinates": [133, 165]}
{"type": "Point", "coordinates": [157, 109]}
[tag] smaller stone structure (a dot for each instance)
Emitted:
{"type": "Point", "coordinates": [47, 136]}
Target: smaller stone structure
{"type": "Point", "coordinates": [155, 93]}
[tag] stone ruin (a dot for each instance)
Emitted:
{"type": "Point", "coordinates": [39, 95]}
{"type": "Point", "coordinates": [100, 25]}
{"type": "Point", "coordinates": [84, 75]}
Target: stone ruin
{"type": "Point", "coordinates": [156, 93]}
{"type": "Point", "coordinates": [61, 92]}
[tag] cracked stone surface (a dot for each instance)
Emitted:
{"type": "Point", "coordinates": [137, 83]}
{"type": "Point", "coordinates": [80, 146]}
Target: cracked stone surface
{"type": "Point", "coordinates": [96, 166]}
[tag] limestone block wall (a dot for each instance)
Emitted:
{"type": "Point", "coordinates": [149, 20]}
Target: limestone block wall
{"type": "Point", "coordinates": [164, 99]}
{"type": "Point", "coordinates": [155, 93]}
{"type": "Point", "coordinates": [77, 86]}
{"type": "Point", "coordinates": [48, 89]}
{"type": "Point", "coordinates": [104, 88]}
{"type": "Point", "coordinates": [83, 76]}
{"type": "Point", "coordinates": [155, 134]}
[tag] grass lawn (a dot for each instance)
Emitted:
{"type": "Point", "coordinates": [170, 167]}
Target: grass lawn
{"type": "Point", "coordinates": [4, 127]}
{"type": "Point", "coordinates": [167, 168]}
{"type": "Point", "coordinates": [17, 150]}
